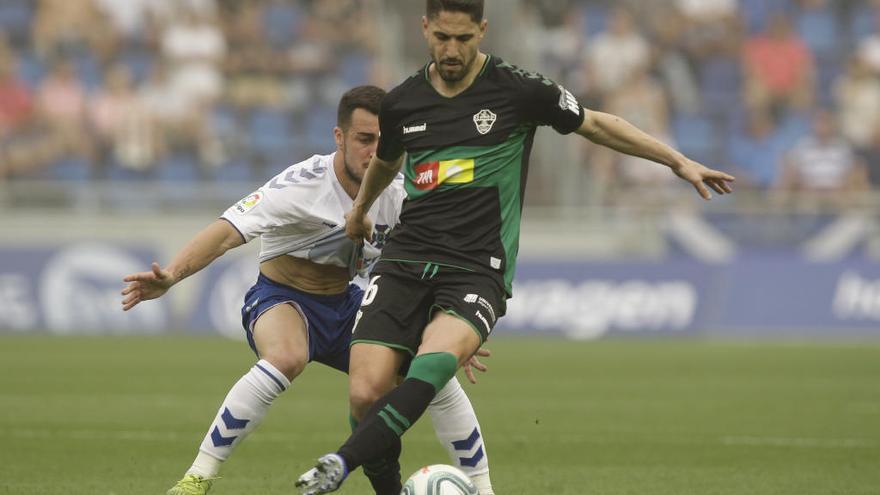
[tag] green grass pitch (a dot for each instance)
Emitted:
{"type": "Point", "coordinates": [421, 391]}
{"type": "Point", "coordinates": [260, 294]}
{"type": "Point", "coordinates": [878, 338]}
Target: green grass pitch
{"type": "Point", "coordinates": [124, 416]}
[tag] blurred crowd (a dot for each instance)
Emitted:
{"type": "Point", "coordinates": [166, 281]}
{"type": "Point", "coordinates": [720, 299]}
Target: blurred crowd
{"type": "Point", "coordinates": [783, 93]}
{"type": "Point", "coordinates": [176, 90]}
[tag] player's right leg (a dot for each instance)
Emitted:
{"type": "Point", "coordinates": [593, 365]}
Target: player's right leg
{"type": "Point", "coordinates": [280, 337]}
{"type": "Point", "coordinates": [459, 431]}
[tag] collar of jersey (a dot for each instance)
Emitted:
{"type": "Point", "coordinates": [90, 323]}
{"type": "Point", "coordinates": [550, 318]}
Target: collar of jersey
{"type": "Point", "coordinates": [473, 83]}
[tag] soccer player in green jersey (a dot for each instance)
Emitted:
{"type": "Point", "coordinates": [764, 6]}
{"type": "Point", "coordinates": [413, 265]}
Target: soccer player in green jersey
{"type": "Point", "coordinates": [461, 129]}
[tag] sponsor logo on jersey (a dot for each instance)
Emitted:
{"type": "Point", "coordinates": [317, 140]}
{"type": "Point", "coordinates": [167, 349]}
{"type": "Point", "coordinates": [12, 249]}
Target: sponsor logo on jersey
{"type": "Point", "coordinates": [415, 128]}
{"type": "Point", "coordinates": [248, 203]}
{"type": "Point", "coordinates": [484, 120]}
{"type": "Point", "coordinates": [567, 101]}
{"type": "Point", "coordinates": [471, 298]}
{"type": "Point", "coordinates": [431, 174]}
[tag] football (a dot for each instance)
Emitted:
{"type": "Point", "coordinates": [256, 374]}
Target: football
{"type": "Point", "coordinates": [439, 479]}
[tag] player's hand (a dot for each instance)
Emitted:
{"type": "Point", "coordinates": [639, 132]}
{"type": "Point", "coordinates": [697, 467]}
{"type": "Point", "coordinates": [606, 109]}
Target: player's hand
{"type": "Point", "coordinates": [474, 363]}
{"type": "Point", "coordinates": [144, 286]}
{"type": "Point", "coordinates": [358, 227]}
{"type": "Point", "coordinates": [701, 176]}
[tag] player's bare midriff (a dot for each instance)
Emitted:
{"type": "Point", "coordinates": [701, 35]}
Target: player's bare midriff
{"type": "Point", "coordinates": [306, 275]}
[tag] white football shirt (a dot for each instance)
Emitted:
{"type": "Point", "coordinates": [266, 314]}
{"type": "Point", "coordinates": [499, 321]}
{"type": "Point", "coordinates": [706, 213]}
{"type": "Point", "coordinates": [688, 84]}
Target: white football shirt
{"type": "Point", "coordinates": [301, 213]}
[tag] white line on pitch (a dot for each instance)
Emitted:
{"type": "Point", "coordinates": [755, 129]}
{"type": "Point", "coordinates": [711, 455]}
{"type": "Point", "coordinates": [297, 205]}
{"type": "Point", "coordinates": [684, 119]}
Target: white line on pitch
{"type": "Point", "coordinates": [810, 443]}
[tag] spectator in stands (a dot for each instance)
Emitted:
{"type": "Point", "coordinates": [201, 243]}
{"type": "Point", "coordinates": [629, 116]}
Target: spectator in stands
{"type": "Point", "coordinates": [65, 26]}
{"type": "Point", "coordinates": [869, 46]}
{"type": "Point", "coordinates": [870, 156]}
{"type": "Point", "coordinates": [709, 24]}
{"type": "Point", "coordinates": [253, 66]}
{"type": "Point", "coordinates": [615, 54]}
{"type": "Point", "coordinates": [124, 126]}
{"type": "Point", "coordinates": [194, 47]}
{"type": "Point", "coordinates": [857, 95]}
{"type": "Point", "coordinates": [779, 68]}
{"type": "Point", "coordinates": [640, 101]}
{"type": "Point", "coordinates": [16, 100]}
{"type": "Point", "coordinates": [61, 105]}
{"type": "Point", "coordinates": [822, 170]}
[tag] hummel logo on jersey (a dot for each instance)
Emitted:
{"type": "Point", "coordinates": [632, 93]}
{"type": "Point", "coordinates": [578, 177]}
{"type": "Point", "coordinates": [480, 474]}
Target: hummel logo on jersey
{"type": "Point", "coordinates": [567, 101]}
{"type": "Point", "coordinates": [415, 128]}
{"type": "Point", "coordinates": [484, 119]}
{"type": "Point", "coordinates": [431, 174]}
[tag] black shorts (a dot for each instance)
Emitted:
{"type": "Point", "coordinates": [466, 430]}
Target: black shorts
{"type": "Point", "coordinates": [403, 296]}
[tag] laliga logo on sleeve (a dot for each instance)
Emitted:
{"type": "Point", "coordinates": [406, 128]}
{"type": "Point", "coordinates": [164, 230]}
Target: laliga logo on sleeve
{"type": "Point", "coordinates": [248, 203]}
{"type": "Point", "coordinates": [484, 120]}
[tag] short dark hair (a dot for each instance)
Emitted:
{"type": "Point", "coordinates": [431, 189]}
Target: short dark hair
{"type": "Point", "coordinates": [367, 97]}
{"type": "Point", "coordinates": [473, 8]}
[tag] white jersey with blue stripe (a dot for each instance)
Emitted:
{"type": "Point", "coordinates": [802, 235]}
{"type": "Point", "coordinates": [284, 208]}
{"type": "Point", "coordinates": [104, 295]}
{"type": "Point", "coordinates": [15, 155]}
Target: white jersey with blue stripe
{"type": "Point", "coordinates": [300, 213]}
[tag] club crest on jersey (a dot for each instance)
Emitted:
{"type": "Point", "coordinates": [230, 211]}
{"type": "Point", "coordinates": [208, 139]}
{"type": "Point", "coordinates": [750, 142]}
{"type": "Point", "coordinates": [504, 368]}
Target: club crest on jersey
{"type": "Point", "coordinates": [484, 120]}
{"type": "Point", "coordinates": [431, 174]}
{"type": "Point", "coordinates": [248, 203]}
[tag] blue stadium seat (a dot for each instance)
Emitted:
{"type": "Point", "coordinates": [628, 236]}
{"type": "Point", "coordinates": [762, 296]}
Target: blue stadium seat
{"type": "Point", "coordinates": [828, 70]}
{"type": "Point", "coordinates": [237, 170]}
{"type": "Point", "coordinates": [862, 23]}
{"type": "Point", "coordinates": [281, 24]}
{"type": "Point", "coordinates": [31, 69]}
{"type": "Point", "coordinates": [696, 137]}
{"type": "Point", "coordinates": [15, 19]}
{"type": "Point", "coordinates": [270, 131]}
{"type": "Point", "coordinates": [354, 69]}
{"type": "Point", "coordinates": [721, 85]}
{"type": "Point", "coordinates": [138, 62]}
{"type": "Point", "coordinates": [179, 167]}
{"type": "Point", "coordinates": [821, 31]}
{"type": "Point", "coordinates": [72, 169]}
{"type": "Point", "coordinates": [320, 121]}
{"type": "Point", "coordinates": [89, 69]}
{"type": "Point", "coordinates": [756, 13]}
{"type": "Point", "coordinates": [595, 20]}
{"type": "Point", "coordinates": [119, 173]}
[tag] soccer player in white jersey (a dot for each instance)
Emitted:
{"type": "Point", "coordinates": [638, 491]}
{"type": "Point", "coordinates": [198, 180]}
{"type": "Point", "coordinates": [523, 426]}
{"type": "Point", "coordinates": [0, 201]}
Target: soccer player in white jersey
{"type": "Point", "coordinates": [303, 306]}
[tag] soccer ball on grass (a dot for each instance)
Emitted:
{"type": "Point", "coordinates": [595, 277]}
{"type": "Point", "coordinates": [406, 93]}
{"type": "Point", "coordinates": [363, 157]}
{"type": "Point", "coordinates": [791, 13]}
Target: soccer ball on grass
{"type": "Point", "coordinates": [439, 479]}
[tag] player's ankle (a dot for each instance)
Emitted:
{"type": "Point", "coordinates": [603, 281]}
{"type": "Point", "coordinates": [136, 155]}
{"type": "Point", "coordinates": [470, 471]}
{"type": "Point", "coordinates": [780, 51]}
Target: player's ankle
{"type": "Point", "coordinates": [483, 483]}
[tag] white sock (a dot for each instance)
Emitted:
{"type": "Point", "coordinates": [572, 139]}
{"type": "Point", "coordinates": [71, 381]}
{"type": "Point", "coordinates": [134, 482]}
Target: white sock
{"type": "Point", "coordinates": [457, 428]}
{"type": "Point", "coordinates": [242, 410]}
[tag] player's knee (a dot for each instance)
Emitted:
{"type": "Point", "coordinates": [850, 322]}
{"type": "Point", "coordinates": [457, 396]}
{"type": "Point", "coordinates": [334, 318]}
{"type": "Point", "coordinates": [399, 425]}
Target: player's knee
{"type": "Point", "coordinates": [362, 395]}
{"type": "Point", "coordinates": [289, 363]}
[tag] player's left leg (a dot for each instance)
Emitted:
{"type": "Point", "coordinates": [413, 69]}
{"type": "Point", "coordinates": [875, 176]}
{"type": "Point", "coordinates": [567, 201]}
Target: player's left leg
{"type": "Point", "coordinates": [447, 343]}
{"type": "Point", "coordinates": [281, 340]}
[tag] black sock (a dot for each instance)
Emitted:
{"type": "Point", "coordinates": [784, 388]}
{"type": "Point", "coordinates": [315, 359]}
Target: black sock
{"type": "Point", "coordinates": [384, 474]}
{"type": "Point", "coordinates": [378, 434]}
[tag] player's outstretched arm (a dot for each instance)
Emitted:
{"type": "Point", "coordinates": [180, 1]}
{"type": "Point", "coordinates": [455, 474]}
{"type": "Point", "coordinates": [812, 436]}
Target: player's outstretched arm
{"type": "Point", "coordinates": [379, 175]}
{"type": "Point", "coordinates": [199, 252]}
{"type": "Point", "coordinates": [618, 134]}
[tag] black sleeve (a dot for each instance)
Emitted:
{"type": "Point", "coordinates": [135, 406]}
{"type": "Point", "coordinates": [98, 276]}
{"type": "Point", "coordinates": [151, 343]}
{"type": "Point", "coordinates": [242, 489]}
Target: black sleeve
{"type": "Point", "coordinates": [390, 143]}
{"type": "Point", "coordinates": [548, 103]}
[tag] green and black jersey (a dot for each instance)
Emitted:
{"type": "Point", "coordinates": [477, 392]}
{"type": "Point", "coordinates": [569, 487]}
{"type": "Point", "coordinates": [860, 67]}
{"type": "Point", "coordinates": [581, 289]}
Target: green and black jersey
{"type": "Point", "coordinates": [466, 165]}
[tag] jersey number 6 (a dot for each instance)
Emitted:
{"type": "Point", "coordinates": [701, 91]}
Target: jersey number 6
{"type": "Point", "coordinates": [371, 291]}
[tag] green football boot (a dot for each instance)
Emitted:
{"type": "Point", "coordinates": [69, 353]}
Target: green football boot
{"type": "Point", "coordinates": [192, 484]}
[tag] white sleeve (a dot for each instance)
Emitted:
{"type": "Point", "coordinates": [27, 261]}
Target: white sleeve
{"type": "Point", "coordinates": [397, 191]}
{"type": "Point", "coordinates": [263, 211]}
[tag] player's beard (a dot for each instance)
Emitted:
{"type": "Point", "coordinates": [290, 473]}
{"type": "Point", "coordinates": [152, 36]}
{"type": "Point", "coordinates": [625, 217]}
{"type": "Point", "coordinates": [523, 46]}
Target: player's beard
{"type": "Point", "coordinates": [450, 76]}
{"type": "Point", "coordinates": [350, 171]}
